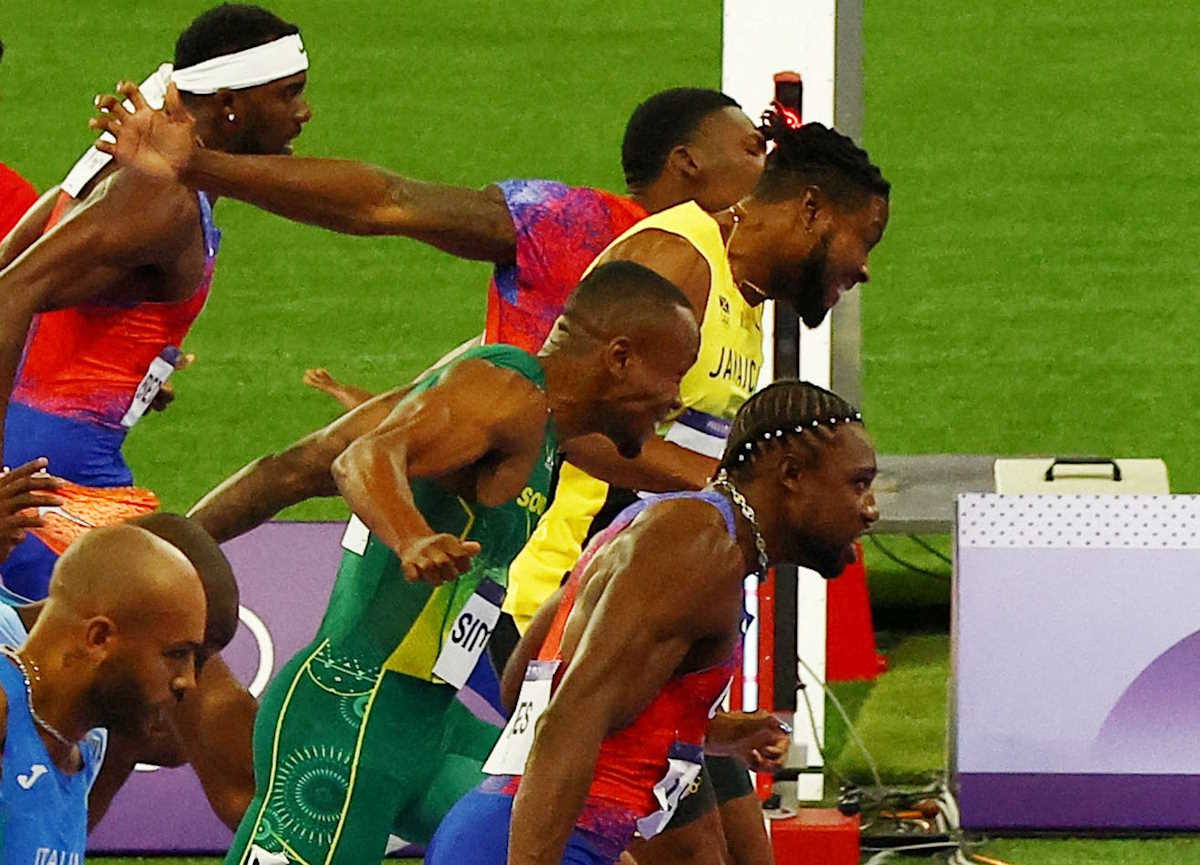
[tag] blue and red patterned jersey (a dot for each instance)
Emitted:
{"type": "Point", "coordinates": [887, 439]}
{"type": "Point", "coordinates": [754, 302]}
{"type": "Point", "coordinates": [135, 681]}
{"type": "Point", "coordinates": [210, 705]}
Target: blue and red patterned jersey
{"type": "Point", "coordinates": [560, 230]}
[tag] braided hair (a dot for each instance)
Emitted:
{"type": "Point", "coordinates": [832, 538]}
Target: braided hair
{"type": "Point", "coordinates": [787, 408]}
{"type": "Point", "coordinates": [815, 155]}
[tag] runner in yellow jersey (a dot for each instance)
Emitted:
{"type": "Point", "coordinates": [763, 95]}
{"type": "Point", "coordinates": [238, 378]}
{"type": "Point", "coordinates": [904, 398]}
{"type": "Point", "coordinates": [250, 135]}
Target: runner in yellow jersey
{"type": "Point", "coordinates": [802, 237]}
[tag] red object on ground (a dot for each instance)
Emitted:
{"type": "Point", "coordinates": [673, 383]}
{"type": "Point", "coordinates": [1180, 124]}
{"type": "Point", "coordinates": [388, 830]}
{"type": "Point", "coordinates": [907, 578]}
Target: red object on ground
{"type": "Point", "coordinates": [16, 196]}
{"type": "Point", "coordinates": [850, 651]}
{"type": "Point", "coordinates": [816, 836]}
{"type": "Point", "coordinates": [764, 782]}
{"type": "Point", "coordinates": [766, 642]}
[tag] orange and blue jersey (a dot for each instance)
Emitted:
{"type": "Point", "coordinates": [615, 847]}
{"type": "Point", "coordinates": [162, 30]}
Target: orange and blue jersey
{"type": "Point", "coordinates": [560, 230]}
{"type": "Point", "coordinates": [80, 372]}
{"type": "Point", "coordinates": [81, 369]}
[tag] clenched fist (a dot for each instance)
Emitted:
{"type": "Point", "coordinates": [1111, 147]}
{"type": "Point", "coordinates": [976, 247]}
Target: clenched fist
{"type": "Point", "coordinates": [437, 559]}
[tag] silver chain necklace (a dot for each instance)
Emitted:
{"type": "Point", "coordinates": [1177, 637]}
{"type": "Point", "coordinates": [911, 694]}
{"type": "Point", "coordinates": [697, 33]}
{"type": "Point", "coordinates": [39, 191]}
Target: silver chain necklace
{"type": "Point", "coordinates": [45, 725]}
{"type": "Point", "coordinates": [722, 482]}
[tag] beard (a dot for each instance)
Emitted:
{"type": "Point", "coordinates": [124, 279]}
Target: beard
{"type": "Point", "coordinates": [116, 699]}
{"type": "Point", "coordinates": [828, 560]}
{"type": "Point", "coordinates": [802, 285]}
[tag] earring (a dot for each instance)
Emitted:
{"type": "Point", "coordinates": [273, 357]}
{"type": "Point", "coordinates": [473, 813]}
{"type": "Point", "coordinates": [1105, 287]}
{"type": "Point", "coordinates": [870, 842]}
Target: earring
{"type": "Point", "coordinates": [231, 117]}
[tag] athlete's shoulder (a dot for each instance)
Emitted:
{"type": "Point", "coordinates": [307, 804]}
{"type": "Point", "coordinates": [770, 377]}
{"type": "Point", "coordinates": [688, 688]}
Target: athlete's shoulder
{"type": "Point", "coordinates": [508, 357]}
{"type": "Point", "coordinates": [526, 191]}
{"type": "Point", "coordinates": [690, 511]}
{"type": "Point", "coordinates": [672, 255]}
{"type": "Point", "coordinates": [556, 197]}
{"type": "Point", "coordinates": [158, 207]}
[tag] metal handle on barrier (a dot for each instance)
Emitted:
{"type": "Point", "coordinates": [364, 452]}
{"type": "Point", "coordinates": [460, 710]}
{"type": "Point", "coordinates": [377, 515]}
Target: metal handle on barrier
{"type": "Point", "coordinates": [1084, 461]}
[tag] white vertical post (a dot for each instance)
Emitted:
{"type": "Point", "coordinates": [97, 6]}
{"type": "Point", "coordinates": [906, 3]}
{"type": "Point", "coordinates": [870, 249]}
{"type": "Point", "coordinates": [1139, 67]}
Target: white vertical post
{"type": "Point", "coordinates": [762, 37]}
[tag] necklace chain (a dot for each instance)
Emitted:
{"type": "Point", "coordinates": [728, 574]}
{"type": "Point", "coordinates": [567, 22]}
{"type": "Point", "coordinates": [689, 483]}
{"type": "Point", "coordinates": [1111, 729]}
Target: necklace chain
{"type": "Point", "coordinates": [45, 725]}
{"type": "Point", "coordinates": [722, 482]}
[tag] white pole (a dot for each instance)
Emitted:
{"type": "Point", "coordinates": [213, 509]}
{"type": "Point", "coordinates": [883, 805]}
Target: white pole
{"type": "Point", "coordinates": [762, 37]}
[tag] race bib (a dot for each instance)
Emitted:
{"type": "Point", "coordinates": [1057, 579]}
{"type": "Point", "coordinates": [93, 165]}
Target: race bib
{"type": "Point", "coordinates": [469, 634]}
{"type": "Point", "coordinates": [512, 749]}
{"type": "Point", "coordinates": [356, 536]}
{"type": "Point", "coordinates": [721, 701]}
{"type": "Point", "coordinates": [684, 763]}
{"type": "Point", "coordinates": [156, 376]}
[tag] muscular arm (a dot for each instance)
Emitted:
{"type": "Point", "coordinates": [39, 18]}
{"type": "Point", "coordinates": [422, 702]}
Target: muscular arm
{"type": "Point", "coordinates": [661, 467]}
{"type": "Point", "coordinates": [216, 728]}
{"type": "Point", "coordinates": [212, 728]}
{"type": "Point", "coordinates": [637, 636]}
{"type": "Point", "coordinates": [29, 229]}
{"type": "Point", "coordinates": [478, 409]}
{"type": "Point", "coordinates": [357, 198]}
{"type": "Point", "coordinates": [350, 197]}
{"type": "Point", "coordinates": [302, 471]}
{"type": "Point", "coordinates": [276, 481]}
{"type": "Point", "coordinates": [127, 222]}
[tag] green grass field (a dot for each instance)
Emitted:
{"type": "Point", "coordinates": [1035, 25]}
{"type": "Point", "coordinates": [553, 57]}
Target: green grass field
{"type": "Point", "coordinates": [1033, 293]}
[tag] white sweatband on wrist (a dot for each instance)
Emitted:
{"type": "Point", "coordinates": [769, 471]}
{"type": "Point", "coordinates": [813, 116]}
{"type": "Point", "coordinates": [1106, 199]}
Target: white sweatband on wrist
{"type": "Point", "coordinates": [154, 91]}
{"type": "Point", "coordinates": [261, 64]}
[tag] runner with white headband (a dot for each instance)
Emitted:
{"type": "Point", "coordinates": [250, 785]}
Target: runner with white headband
{"type": "Point", "coordinates": [113, 269]}
{"type": "Point", "coordinates": [253, 67]}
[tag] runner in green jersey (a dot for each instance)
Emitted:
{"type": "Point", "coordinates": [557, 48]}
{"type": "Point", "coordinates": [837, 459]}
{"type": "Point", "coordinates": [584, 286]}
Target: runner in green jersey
{"type": "Point", "coordinates": [361, 731]}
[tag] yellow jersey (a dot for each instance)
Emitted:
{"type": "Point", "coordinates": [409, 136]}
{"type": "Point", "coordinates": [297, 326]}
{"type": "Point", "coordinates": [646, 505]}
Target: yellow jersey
{"type": "Point", "coordinates": [723, 377]}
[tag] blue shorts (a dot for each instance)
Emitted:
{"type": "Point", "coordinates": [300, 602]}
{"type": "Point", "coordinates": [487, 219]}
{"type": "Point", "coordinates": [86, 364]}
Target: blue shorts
{"type": "Point", "coordinates": [475, 832]}
{"type": "Point", "coordinates": [80, 452]}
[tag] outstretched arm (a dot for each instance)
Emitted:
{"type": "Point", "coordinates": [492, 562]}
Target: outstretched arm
{"type": "Point", "coordinates": [476, 410]}
{"type": "Point", "coordinates": [638, 635]}
{"type": "Point", "coordinates": [276, 481]}
{"type": "Point", "coordinates": [302, 471]}
{"type": "Point", "coordinates": [661, 467]}
{"type": "Point", "coordinates": [341, 195]}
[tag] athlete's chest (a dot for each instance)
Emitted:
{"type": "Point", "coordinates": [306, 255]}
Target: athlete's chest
{"type": "Point", "coordinates": [176, 283]}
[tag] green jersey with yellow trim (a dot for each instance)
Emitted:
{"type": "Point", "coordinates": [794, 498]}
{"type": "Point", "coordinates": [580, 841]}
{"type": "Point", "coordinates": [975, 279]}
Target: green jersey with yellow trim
{"type": "Point", "coordinates": [375, 616]}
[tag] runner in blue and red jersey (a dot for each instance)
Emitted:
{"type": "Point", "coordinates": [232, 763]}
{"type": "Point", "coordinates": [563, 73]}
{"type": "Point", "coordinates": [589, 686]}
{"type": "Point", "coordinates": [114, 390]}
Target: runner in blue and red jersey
{"type": "Point", "coordinates": [103, 279]}
{"type": "Point", "coordinates": [619, 677]}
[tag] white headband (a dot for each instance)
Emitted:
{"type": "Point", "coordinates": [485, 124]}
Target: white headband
{"type": "Point", "coordinates": [250, 68]}
{"type": "Point", "coordinates": [261, 64]}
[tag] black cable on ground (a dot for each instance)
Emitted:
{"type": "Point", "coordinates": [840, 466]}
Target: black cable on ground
{"type": "Point", "coordinates": [942, 578]}
{"type": "Point", "coordinates": [930, 548]}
